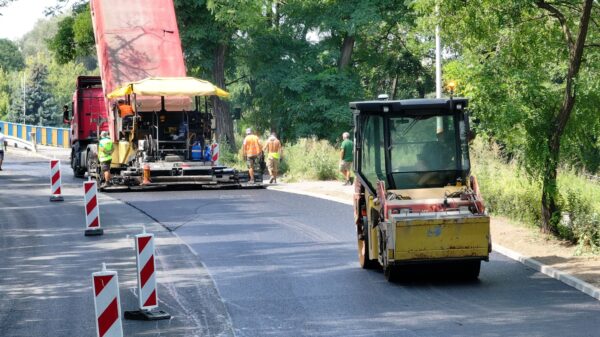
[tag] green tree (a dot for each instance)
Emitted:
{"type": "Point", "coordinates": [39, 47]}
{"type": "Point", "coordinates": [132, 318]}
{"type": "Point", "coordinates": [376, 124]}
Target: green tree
{"type": "Point", "coordinates": [523, 64]}
{"type": "Point", "coordinates": [74, 39]}
{"type": "Point", "coordinates": [4, 93]}
{"type": "Point", "coordinates": [40, 107]}
{"type": "Point", "coordinates": [10, 56]}
{"type": "Point", "coordinates": [207, 47]}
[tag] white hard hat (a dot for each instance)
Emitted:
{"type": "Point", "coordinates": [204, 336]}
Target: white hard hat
{"type": "Point", "coordinates": [249, 131]}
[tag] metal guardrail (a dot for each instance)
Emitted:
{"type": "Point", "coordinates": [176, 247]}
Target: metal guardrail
{"type": "Point", "coordinates": [21, 143]}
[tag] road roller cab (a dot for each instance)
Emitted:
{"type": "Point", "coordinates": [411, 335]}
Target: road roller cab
{"type": "Point", "coordinates": [416, 201]}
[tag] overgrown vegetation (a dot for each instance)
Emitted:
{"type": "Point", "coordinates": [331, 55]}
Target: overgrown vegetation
{"type": "Point", "coordinates": [311, 159]}
{"type": "Point", "coordinates": [508, 192]}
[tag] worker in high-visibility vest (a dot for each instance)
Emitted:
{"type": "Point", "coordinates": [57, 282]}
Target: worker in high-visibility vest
{"type": "Point", "coordinates": [251, 149]}
{"type": "Point", "coordinates": [126, 113]}
{"type": "Point", "coordinates": [105, 150]}
{"type": "Point", "coordinates": [274, 151]}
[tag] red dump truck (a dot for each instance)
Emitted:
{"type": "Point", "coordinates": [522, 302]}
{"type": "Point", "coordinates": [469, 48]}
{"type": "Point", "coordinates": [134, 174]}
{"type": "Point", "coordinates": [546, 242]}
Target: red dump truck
{"type": "Point", "coordinates": [171, 131]}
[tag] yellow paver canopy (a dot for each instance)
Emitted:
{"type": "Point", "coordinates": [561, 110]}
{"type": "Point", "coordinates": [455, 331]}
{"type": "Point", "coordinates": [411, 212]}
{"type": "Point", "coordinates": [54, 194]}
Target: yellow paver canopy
{"type": "Point", "coordinates": [169, 86]}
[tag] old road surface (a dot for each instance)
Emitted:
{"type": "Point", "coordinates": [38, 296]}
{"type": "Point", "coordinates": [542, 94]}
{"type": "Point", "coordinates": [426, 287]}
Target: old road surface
{"type": "Point", "coordinates": [246, 263]}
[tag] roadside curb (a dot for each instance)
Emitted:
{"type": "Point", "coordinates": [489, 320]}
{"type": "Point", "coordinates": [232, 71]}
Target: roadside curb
{"type": "Point", "coordinates": [554, 273]}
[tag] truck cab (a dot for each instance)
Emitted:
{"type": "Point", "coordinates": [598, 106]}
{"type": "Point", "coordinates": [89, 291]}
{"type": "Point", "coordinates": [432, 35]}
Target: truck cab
{"type": "Point", "coordinates": [416, 202]}
{"type": "Point", "coordinates": [89, 118]}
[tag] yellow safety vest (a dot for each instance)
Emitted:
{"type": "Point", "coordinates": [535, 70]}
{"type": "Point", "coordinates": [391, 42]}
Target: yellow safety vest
{"type": "Point", "coordinates": [105, 149]}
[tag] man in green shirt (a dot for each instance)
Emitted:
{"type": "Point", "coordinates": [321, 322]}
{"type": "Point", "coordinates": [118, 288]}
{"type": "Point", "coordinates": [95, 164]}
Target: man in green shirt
{"type": "Point", "coordinates": [346, 157]}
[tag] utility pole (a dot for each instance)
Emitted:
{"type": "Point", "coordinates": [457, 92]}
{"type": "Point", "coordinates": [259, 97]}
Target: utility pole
{"type": "Point", "coordinates": [438, 57]}
{"type": "Point", "coordinates": [438, 68]}
{"type": "Point", "coordinates": [24, 95]}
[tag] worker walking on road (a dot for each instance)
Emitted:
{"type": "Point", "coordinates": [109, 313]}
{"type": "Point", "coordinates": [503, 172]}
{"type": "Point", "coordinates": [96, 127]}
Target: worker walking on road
{"type": "Point", "coordinates": [105, 150]}
{"type": "Point", "coordinates": [274, 151]}
{"type": "Point", "coordinates": [2, 147]}
{"type": "Point", "coordinates": [346, 157]}
{"type": "Point", "coordinates": [251, 149]}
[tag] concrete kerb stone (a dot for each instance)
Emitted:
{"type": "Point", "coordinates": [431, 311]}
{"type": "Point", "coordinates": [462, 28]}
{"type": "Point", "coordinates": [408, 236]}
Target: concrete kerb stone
{"type": "Point", "coordinates": [527, 261]}
{"type": "Point", "coordinates": [550, 271]}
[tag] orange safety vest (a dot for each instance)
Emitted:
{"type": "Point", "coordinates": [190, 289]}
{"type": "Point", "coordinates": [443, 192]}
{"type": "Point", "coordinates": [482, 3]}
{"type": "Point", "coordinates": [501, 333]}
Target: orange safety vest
{"type": "Point", "coordinates": [251, 146]}
{"type": "Point", "coordinates": [125, 110]}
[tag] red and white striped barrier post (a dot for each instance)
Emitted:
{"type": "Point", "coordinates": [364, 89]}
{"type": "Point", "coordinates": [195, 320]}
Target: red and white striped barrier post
{"type": "Point", "coordinates": [146, 277]}
{"type": "Point", "coordinates": [92, 209]}
{"type": "Point", "coordinates": [107, 304]}
{"type": "Point", "coordinates": [214, 150]}
{"type": "Point", "coordinates": [55, 181]}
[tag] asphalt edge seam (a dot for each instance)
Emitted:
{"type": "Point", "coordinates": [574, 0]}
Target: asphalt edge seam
{"type": "Point", "coordinates": [552, 272]}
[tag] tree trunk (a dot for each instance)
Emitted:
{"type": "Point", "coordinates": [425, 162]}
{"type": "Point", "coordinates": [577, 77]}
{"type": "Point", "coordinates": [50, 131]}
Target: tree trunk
{"type": "Point", "coordinates": [346, 52]}
{"type": "Point", "coordinates": [394, 87]}
{"type": "Point", "coordinates": [222, 115]}
{"type": "Point", "coordinates": [549, 188]}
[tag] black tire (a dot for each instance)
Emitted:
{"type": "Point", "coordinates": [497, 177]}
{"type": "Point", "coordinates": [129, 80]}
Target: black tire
{"type": "Point", "coordinates": [78, 171]}
{"type": "Point", "coordinates": [363, 249]}
{"type": "Point", "coordinates": [93, 167]}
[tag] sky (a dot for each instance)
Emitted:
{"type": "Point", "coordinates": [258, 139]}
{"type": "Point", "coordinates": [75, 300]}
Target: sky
{"type": "Point", "coordinates": [19, 17]}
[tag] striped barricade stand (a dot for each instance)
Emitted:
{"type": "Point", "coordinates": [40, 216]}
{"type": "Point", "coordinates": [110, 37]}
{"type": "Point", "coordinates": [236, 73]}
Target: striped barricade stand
{"type": "Point", "coordinates": [214, 149]}
{"type": "Point", "coordinates": [107, 303]}
{"type": "Point", "coordinates": [55, 181]}
{"type": "Point", "coordinates": [146, 277]}
{"type": "Point", "coordinates": [92, 209]}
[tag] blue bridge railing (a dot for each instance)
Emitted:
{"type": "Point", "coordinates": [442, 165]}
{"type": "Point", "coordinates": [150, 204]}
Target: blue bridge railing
{"type": "Point", "coordinates": [44, 135]}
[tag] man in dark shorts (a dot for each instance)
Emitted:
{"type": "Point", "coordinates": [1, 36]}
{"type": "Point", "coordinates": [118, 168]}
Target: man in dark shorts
{"type": "Point", "coordinates": [251, 150]}
{"type": "Point", "coordinates": [346, 157]}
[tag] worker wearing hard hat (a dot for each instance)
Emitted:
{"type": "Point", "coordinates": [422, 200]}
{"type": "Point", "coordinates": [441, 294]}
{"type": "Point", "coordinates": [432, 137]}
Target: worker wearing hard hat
{"type": "Point", "coordinates": [251, 149]}
{"type": "Point", "coordinates": [105, 150]}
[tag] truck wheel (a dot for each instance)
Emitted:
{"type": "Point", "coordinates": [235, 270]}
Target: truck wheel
{"type": "Point", "coordinates": [363, 249]}
{"type": "Point", "coordinates": [93, 167]}
{"type": "Point", "coordinates": [78, 172]}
